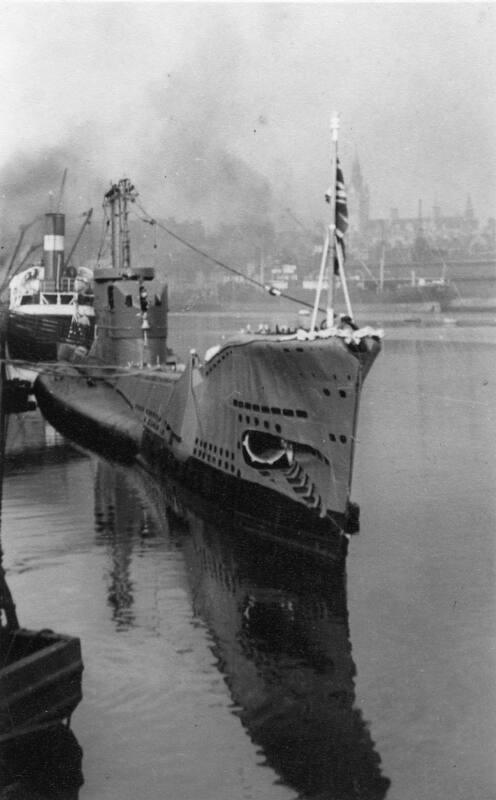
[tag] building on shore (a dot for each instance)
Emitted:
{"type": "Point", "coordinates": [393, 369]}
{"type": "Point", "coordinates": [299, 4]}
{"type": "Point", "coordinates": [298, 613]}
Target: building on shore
{"type": "Point", "coordinates": [429, 236]}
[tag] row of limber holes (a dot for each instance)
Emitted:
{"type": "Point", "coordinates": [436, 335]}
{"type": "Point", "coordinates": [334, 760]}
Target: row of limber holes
{"type": "Point", "coordinates": [286, 412]}
{"type": "Point", "coordinates": [215, 455]}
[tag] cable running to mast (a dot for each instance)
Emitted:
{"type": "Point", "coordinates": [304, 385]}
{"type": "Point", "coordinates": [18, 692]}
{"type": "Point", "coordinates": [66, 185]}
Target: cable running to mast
{"type": "Point", "coordinates": [265, 287]}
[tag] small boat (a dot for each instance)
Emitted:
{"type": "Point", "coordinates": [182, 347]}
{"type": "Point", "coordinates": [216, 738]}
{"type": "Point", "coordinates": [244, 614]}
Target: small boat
{"type": "Point", "coordinates": [50, 302]}
{"type": "Point", "coordinates": [40, 680]}
{"type": "Point", "coordinates": [40, 671]}
{"type": "Point", "coordinates": [265, 422]}
{"type": "Point", "coordinates": [42, 765]}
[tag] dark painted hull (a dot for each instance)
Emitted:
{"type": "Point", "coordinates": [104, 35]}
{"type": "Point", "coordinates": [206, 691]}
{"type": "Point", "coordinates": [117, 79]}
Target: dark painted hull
{"type": "Point", "coordinates": [40, 765]}
{"type": "Point", "coordinates": [102, 422]}
{"type": "Point", "coordinates": [40, 680]}
{"type": "Point", "coordinates": [39, 337]}
{"type": "Point", "coordinates": [254, 508]}
{"type": "Point", "coordinates": [299, 397]}
{"type": "Point", "coordinates": [93, 416]}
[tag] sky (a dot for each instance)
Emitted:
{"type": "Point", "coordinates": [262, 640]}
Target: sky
{"type": "Point", "coordinates": [221, 111]}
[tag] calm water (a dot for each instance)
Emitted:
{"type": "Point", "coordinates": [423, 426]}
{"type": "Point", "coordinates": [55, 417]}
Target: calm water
{"type": "Point", "coordinates": [221, 667]}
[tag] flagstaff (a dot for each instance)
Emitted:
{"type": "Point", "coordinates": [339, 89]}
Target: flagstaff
{"type": "Point", "coordinates": [328, 264]}
{"type": "Point", "coordinates": [332, 226]}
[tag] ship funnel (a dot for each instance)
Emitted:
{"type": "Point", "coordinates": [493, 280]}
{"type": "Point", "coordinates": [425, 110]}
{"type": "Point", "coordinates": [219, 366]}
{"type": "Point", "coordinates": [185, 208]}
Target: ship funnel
{"type": "Point", "coordinates": [53, 247]}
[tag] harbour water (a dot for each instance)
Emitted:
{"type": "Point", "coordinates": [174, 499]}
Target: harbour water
{"type": "Point", "coordinates": [222, 666]}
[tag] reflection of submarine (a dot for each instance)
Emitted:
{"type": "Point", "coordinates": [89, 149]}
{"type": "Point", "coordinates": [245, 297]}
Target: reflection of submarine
{"type": "Point", "coordinates": [119, 517]}
{"type": "Point", "coordinates": [281, 639]}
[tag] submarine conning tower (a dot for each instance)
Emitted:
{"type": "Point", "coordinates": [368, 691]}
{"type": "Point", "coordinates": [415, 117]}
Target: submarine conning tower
{"type": "Point", "coordinates": [53, 248]}
{"type": "Point", "coordinates": [130, 302]}
{"type": "Point", "coordinates": [131, 312]}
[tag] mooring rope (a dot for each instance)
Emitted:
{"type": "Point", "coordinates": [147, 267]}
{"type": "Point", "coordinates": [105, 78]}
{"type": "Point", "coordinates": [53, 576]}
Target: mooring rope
{"type": "Point", "coordinates": [269, 289]}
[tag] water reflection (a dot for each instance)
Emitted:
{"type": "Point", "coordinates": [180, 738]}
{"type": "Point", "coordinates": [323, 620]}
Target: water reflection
{"type": "Point", "coordinates": [118, 518]}
{"type": "Point", "coordinates": [282, 640]}
{"type": "Point", "coordinates": [30, 442]}
{"type": "Point", "coordinates": [279, 626]}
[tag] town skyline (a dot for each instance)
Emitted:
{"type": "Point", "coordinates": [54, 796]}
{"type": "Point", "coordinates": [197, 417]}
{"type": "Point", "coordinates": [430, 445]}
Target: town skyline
{"type": "Point", "coordinates": [234, 126]}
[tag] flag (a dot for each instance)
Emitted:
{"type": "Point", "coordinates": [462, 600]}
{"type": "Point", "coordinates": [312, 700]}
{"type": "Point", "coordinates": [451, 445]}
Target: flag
{"type": "Point", "coordinates": [341, 220]}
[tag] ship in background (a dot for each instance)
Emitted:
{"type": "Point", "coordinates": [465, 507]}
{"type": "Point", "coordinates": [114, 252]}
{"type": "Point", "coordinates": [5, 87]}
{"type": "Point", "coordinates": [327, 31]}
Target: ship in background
{"type": "Point", "coordinates": [50, 303]}
{"type": "Point", "coordinates": [433, 257]}
{"type": "Point", "coordinates": [392, 287]}
{"type": "Point", "coordinates": [433, 263]}
{"type": "Point", "coordinates": [265, 422]}
{"type": "Point", "coordinates": [422, 286]}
